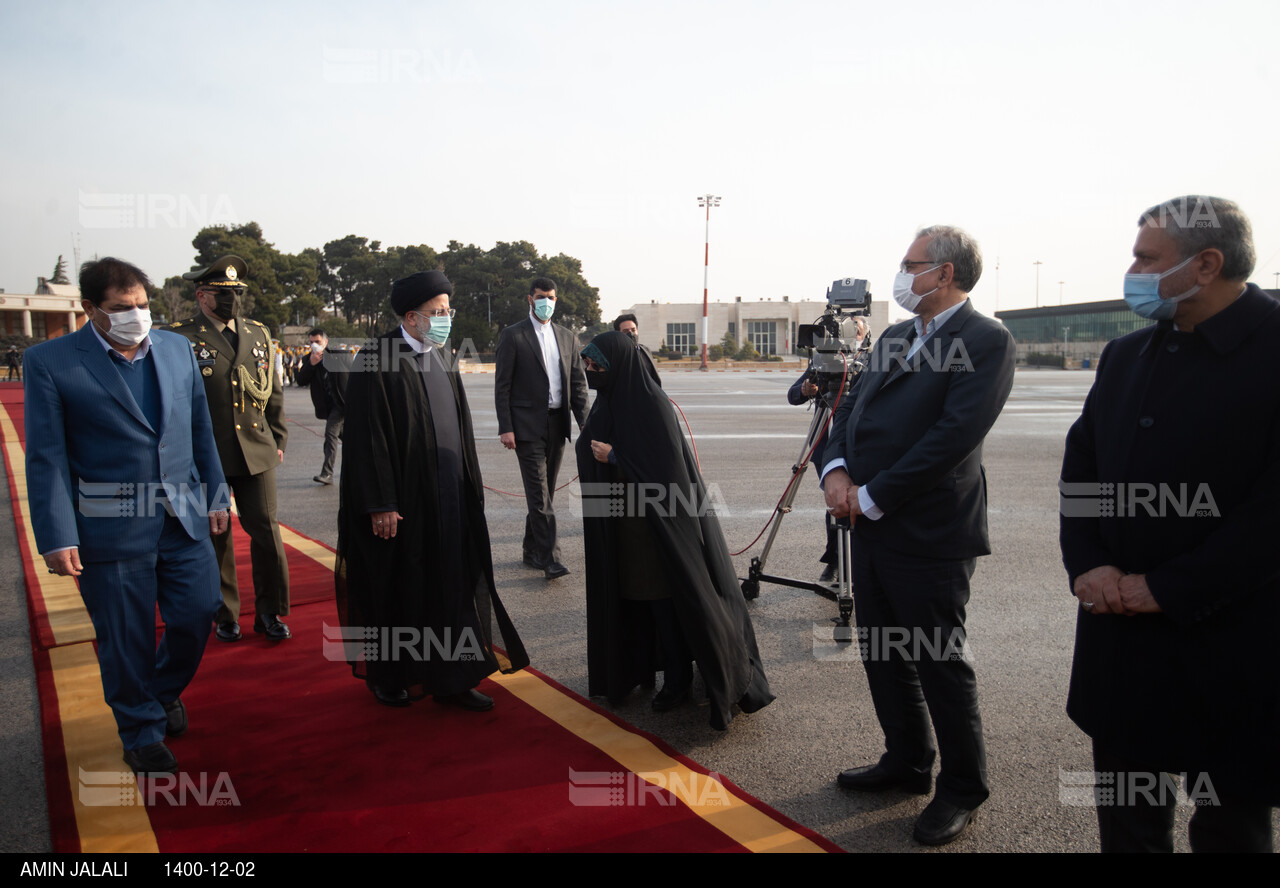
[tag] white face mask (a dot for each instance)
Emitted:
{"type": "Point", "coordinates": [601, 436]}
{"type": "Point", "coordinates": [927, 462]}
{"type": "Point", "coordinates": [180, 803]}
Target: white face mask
{"type": "Point", "coordinates": [903, 292]}
{"type": "Point", "coordinates": [316, 348]}
{"type": "Point", "coordinates": [130, 326]}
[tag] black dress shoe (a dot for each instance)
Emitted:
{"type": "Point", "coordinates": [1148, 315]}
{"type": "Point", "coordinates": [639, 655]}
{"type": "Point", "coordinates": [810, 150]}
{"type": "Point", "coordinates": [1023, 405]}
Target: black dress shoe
{"type": "Point", "coordinates": [941, 822]}
{"type": "Point", "coordinates": [323, 479]}
{"type": "Point", "coordinates": [828, 575]}
{"type": "Point", "coordinates": [472, 701]}
{"type": "Point", "coordinates": [534, 562]}
{"type": "Point", "coordinates": [271, 627]}
{"type": "Point", "coordinates": [669, 698]}
{"type": "Point", "coordinates": [878, 777]}
{"type": "Point", "coordinates": [228, 631]}
{"type": "Point", "coordinates": [153, 759]}
{"type": "Point", "coordinates": [555, 570]}
{"type": "Point", "coordinates": [175, 718]}
{"type": "Point", "coordinates": [389, 696]}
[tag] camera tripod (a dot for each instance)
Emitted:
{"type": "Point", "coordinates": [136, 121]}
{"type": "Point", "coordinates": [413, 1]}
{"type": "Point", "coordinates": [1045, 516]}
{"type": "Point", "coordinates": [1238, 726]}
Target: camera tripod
{"type": "Point", "coordinates": [842, 593]}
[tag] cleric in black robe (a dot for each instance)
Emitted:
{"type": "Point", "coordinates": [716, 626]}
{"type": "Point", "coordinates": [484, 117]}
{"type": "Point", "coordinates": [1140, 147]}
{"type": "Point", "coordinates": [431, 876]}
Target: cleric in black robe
{"type": "Point", "coordinates": [414, 564]}
{"type": "Point", "coordinates": [664, 551]}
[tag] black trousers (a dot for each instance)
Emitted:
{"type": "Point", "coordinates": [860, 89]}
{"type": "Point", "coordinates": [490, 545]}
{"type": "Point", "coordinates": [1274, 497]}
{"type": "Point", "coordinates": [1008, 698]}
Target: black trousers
{"type": "Point", "coordinates": [910, 615]}
{"type": "Point", "coordinates": [539, 466]}
{"type": "Point", "coordinates": [1136, 804]}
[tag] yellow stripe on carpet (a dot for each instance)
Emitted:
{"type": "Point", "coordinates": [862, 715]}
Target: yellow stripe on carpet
{"type": "Point", "coordinates": [110, 817]}
{"type": "Point", "coordinates": [310, 548]}
{"type": "Point", "coordinates": [68, 620]}
{"type": "Point", "coordinates": [709, 799]}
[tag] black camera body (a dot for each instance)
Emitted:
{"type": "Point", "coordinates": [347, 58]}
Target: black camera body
{"type": "Point", "coordinates": [836, 355]}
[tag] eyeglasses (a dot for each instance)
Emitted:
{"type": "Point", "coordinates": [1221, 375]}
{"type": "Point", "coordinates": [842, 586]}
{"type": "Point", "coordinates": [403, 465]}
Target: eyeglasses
{"type": "Point", "coordinates": [906, 266]}
{"type": "Point", "coordinates": [439, 313]}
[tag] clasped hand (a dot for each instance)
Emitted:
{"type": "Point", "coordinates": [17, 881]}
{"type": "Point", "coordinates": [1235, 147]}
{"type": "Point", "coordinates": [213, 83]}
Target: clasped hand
{"type": "Point", "coordinates": [1109, 590]}
{"type": "Point", "coordinates": [841, 494]}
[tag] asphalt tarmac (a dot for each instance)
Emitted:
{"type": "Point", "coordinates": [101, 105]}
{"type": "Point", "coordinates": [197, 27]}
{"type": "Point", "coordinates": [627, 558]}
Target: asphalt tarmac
{"type": "Point", "coordinates": [1021, 620]}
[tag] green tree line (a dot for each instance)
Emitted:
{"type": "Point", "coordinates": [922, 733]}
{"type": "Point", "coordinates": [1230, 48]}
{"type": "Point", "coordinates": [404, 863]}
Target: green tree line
{"type": "Point", "coordinates": [346, 284]}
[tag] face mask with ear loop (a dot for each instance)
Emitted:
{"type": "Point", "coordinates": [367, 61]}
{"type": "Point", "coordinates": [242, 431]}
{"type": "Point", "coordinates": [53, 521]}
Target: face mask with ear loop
{"type": "Point", "coordinates": [903, 292]}
{"type": "Point", "coordinates": [1142, 294]}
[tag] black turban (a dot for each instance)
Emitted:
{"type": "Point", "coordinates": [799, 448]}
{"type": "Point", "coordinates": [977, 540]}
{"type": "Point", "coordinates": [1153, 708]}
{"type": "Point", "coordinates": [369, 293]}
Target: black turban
{"type": "Point", "coordinates": [410, 292]}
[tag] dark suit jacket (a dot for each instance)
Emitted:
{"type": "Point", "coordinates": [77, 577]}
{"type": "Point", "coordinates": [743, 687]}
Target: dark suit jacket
{"type": "Point", "coordinates": [86, 438]}
{"type": "Point", "coordinates": [521, 387]}
{"type": "Point", "coordinates": [912, 433]}
{"type": "Point", "coordinates": [1186, 430]}
{"type": "Point", "coordinates": [327, 381]}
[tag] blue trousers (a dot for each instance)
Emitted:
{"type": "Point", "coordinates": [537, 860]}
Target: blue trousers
{"type": "Point", "coordinates": [139, 677]}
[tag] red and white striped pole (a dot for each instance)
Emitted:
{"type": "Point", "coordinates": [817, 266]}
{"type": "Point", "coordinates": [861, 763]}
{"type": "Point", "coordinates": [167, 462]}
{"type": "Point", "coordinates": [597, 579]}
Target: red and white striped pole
{"type": "Point", "coordinates": [708, 201]}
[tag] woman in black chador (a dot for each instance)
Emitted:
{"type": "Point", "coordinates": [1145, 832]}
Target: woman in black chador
{"type": "Point", "coordinates": [661, 589]}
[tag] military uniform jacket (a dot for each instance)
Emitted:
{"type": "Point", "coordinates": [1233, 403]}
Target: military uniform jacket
{"type": "Point", "coordinates": [245, 402]}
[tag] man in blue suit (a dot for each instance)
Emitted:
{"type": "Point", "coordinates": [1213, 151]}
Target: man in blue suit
{"type": "Point", "coordinates": [125, 487]}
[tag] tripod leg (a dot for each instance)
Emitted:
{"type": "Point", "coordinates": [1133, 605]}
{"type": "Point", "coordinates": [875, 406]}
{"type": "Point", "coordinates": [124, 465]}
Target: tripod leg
{"type": "Point", "coordinates": [802, 464]}
{"type": "Point", "coordinates": [844, 562]}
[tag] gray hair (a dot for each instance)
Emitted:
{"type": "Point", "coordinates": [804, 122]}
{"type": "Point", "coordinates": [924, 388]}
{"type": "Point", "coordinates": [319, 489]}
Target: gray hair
{"type": "Point", "coordinates": [1197, 222]}
{"type": "Point", "coordinates": [950, 244]}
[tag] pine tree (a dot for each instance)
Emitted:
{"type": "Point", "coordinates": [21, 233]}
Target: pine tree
{"type": "Point", "coordinates": [60, 272]}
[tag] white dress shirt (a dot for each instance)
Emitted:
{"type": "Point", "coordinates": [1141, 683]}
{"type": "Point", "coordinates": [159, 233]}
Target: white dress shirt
{"type": "Point", "coordinates": [551, 360]}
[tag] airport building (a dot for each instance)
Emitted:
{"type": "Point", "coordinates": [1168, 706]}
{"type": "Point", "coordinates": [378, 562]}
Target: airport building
{"type": "Point", "coordinates": [770, 324]}
{"type": "Point", "coordinates": [1072, 335]}
{"type": "Point", "coordinates": [53, 309]}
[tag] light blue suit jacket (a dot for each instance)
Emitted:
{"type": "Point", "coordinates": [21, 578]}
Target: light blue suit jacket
{"type": "Point", "coordinates": [98, 475]}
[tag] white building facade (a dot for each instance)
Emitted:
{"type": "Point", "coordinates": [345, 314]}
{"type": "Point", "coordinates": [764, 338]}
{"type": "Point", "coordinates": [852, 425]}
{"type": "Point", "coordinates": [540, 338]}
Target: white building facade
{"type": "Point", "coordinates": [770, 324]}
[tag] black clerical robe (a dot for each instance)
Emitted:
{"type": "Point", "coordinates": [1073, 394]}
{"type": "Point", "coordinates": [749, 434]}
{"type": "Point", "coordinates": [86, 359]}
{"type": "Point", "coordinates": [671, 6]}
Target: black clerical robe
{"type": "Point", "coordinates": [425, 599]}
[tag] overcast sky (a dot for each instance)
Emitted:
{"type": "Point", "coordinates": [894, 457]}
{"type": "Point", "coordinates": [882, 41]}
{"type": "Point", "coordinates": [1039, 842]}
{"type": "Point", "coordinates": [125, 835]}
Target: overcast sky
{"type": "Point", "coordinates": [831, 130]}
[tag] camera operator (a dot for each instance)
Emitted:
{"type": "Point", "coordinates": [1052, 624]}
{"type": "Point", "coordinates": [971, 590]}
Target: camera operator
{"type": "Point", "coordinates": [803, 391]}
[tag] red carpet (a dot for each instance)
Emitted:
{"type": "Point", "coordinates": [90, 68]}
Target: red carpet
{"type": "Point", "coordinates": [287, 752]}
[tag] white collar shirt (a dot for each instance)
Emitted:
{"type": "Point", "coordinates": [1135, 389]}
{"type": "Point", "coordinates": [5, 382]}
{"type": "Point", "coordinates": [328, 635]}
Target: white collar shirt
{"type": "Point", "coordinates": [551, 360]}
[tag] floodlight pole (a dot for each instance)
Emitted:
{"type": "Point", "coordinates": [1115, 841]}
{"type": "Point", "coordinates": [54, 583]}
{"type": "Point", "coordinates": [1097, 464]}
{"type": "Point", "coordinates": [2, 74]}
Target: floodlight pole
{"type": "Point", "coordinates": [708, 201]}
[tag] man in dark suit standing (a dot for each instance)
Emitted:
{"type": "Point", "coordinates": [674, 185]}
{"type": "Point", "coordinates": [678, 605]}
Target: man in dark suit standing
{"type": "Point", "coordinates": [125, 487]}
{"type": "Point", "coordinates": [627, 323]}
{"type": "Point", "coordinates": [904, 463]}
{"type": "Point", "coordinates": [1170, 482]}
{"type": "Point", "coordinates": [246, 406]}
{"type": "Point", "coordinates": [539, 382]}
{"type": "Point", "coordinates": [326, 371]}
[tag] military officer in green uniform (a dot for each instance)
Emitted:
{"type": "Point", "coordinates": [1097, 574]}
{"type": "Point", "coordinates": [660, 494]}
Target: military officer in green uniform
{"type": "Point", "coordinates": [236, 358]}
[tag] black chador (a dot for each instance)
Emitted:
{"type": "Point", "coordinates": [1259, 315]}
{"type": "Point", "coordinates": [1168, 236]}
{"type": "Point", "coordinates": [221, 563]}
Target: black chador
{"type": "Point", "coordinates": [669, 553]}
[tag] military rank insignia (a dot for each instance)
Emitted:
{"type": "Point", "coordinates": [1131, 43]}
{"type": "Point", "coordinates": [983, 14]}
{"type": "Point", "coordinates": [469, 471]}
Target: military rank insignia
{"type": "Point", "coordinates": [205, 357]}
